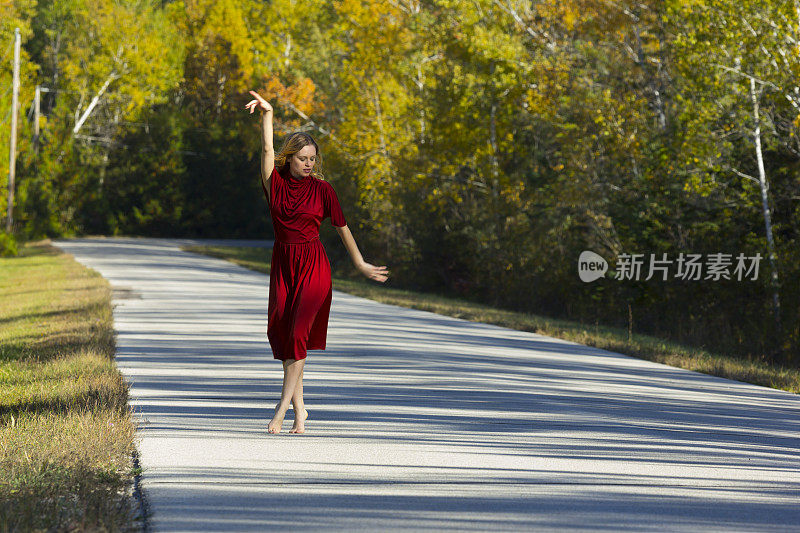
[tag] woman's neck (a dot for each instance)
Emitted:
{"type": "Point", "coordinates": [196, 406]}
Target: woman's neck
{"type": "Point", "coordinates": [292, 176]}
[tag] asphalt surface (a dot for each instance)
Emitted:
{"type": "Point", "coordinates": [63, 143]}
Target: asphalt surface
{"type": "Point", "coordinates": [419, 421]}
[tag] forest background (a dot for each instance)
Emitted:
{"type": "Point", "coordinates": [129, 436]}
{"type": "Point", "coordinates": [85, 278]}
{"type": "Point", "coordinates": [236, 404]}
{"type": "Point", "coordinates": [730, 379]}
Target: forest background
{"type": "Point", "coordinates": [477, 147]}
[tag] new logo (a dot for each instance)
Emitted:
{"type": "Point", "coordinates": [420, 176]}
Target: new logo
{"type": "Point", "coordinates": [591, 266]}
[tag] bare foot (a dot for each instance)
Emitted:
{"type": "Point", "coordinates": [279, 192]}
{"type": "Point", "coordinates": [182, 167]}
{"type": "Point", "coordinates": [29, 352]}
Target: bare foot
{"type": "Point", "coordinates": [277, 421]}
{"type": "Point", "coordinates": [299, 422]}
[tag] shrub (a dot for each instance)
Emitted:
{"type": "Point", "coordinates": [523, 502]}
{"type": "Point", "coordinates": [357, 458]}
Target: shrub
{"type": "Point", "coordinates": [8, 244]}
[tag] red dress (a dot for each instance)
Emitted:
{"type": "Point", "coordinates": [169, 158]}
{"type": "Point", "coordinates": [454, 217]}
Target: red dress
{"type": "Point", "coordinates": [300, 286]}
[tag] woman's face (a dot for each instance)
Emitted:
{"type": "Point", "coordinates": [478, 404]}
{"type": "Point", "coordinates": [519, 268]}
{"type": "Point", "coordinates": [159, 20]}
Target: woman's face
{"type": "Point", "coordinates": [303, 161]}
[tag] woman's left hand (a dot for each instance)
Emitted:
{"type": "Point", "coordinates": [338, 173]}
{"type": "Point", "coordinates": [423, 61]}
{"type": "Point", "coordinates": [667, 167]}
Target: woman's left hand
{"type": "Point", "coordinates": [378, 273]}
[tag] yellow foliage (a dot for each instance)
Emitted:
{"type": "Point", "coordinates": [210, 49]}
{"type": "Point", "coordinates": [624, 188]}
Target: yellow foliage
{"type": "Point", "coordinates": [300, 94]}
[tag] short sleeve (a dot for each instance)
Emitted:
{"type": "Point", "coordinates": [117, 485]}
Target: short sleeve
{"type": "Point", "coordinates": [331, 206]}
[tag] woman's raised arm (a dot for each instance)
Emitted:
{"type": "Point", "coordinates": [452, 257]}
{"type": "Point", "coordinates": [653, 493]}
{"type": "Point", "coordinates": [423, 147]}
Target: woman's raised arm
{"type": "Point", "coordinates": [267, 150]}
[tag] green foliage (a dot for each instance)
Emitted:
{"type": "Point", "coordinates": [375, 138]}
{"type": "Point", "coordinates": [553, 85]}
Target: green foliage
{"type": "Point", "coordinates": [8, 244]}
{"type": "Point", "coordinates": [477, 146]}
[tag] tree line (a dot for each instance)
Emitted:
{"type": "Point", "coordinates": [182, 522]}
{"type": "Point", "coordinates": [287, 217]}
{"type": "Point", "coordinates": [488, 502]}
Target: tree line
{"type": "Point", "coordinates": [478, 147]}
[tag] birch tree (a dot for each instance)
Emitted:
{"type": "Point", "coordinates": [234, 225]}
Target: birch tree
{"type": "Point", "coordinates": [751, 48]}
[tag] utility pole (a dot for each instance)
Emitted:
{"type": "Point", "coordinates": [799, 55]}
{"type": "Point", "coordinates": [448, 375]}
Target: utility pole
{"type": "Point", "coordinates": [13, 155]}
{"type": "Point", "coordinates": [36, 119]}
{"type": "Point", "coordinates": [37, 104]}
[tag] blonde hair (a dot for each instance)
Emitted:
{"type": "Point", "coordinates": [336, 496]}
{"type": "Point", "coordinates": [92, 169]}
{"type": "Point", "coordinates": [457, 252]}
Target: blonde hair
{"type": "Point", "coordinates": [293, 143]}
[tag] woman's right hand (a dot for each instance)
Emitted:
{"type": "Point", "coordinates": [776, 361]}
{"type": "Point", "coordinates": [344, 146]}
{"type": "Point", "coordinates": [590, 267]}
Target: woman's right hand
{"type": "Point", "coordinates": [258, 103]}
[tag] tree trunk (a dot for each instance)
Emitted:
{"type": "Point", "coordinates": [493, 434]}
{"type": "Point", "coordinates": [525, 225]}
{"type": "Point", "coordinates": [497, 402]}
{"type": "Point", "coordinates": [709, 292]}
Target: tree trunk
{"type": "Point", "coordinates": [762, 180]}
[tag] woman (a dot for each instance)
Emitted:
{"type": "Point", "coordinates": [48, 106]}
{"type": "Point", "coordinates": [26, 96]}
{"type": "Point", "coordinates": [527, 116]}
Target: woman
{"type": "Point", "coordinates": [300, 286]}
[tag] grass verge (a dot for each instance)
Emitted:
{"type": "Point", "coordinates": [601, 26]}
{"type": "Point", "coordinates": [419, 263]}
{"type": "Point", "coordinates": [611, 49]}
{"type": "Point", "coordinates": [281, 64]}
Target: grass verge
{"type": "Point", "coordinates": [66, 434]}
{"type": "Point", "coordinates": [606, 338]}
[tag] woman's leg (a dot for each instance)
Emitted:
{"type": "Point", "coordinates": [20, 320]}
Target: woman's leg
{"type": "Point", "coordinates": [300, 413]}
{"type": "Point", "coordinates": [291, 372]}
{"type": "Point", "coordinates": [297, 397]}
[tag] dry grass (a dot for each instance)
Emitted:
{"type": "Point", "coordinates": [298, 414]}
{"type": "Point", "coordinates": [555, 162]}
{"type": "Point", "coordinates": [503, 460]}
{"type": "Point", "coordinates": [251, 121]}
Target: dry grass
{"type": "Point", "coordinates": [66, 434]}
{"type": "Point", "coordinates": [611, 339]}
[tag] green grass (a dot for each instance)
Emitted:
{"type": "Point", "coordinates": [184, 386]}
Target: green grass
{"type": "Point", "coordinates": [607, 338]}
{"type": "Point", "coordinates": [66, 434]}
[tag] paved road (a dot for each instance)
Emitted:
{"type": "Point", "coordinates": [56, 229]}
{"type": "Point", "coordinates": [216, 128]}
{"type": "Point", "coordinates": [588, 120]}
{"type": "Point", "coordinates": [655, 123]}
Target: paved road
{"type": "Point", "coordinates": [424, 422]}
